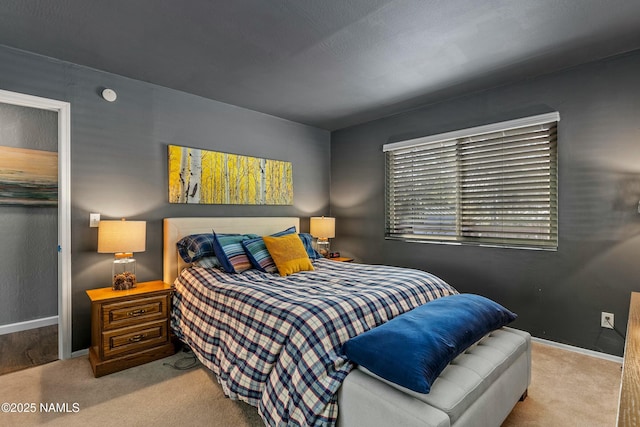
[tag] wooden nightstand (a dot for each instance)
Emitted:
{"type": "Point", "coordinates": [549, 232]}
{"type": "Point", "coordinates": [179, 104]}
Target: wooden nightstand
{"type": "Point", "coordinates": [341, 259]}
{"type": "Point", "coordinates": [129, 328]}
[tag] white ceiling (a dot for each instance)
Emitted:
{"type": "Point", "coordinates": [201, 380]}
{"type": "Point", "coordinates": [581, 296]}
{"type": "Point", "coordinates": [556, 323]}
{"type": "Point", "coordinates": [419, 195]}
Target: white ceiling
{"type": "Point", "coordinates": [327, 63]}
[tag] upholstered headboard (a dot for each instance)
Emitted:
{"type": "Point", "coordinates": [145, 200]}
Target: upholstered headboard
{"type": "Point", "coordinates": [176, 228]}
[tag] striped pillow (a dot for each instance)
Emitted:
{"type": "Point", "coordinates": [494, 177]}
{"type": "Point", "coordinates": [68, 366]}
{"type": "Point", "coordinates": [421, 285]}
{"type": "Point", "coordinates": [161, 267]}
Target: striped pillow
{"type": "Point", "coordinates": [230, 252]}
{"type": "Point", "coordinates": [259, 255]}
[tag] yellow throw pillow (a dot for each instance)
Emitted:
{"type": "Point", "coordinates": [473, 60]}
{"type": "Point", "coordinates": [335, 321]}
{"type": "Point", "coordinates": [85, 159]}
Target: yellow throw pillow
{"type": "Point", "coordinates": [288, 254]}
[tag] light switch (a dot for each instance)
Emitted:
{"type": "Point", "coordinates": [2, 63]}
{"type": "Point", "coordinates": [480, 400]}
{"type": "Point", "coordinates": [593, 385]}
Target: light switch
{"type": "Point", "coordinates": [94, 220]}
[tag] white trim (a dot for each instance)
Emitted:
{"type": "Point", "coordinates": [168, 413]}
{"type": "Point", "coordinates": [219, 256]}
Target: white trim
{"type": "Point", "coordinates": [478, 130]}
{"type": "Point", "coordinates": [64, 230]}
{"type": "Point", "coordinates": [28, 324]}
{"type": "Point", "coordinates": [64, 207]}
{"type": "Point", "coordinates": [78, 353]}
{"type": "Point", "coordinates": [580, 350]}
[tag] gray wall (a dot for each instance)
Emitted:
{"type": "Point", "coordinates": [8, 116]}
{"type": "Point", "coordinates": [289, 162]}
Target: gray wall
{"type": "Point", "coordinates": [558, 295]}
{"type": "Point", "coordinates": [29, 234]}
{"type": "Point", "coordinates": [119, 159]}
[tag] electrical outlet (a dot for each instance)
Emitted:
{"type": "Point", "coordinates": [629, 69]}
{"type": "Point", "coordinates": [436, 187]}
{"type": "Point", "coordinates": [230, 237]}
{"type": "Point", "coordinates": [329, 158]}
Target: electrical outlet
{"type": "Point", "coordinates": [606, 320]}
{"type": "Point", "coordinates": [94, 220]}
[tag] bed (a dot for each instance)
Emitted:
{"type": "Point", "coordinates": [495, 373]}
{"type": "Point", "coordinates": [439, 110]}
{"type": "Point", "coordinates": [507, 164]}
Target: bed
{"type": "Point", "coordinates": [276, 342]}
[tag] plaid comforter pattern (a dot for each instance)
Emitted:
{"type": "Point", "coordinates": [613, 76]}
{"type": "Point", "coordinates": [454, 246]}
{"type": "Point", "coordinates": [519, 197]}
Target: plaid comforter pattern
{"type": "Point", "coordinates": [276, 342]}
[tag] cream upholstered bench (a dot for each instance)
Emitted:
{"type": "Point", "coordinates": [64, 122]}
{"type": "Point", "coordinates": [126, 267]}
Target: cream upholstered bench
{"type": "Point", "coordinates": [478, 388]}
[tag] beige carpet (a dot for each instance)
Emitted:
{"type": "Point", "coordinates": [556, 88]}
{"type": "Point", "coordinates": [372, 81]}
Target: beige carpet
{"type": "Point", "coordinates": [149, 395]}
{"type": "Point", "coordinates": [567, 389]}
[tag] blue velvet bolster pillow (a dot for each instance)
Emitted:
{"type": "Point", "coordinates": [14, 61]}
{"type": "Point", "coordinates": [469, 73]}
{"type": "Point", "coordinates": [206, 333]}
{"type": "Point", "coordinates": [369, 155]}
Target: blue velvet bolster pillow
{"type": "Point", "coordinates": [412, 349]}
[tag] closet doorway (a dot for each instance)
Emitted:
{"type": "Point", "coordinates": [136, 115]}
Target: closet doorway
{"type": "Point", "coordinates": [63, 115]}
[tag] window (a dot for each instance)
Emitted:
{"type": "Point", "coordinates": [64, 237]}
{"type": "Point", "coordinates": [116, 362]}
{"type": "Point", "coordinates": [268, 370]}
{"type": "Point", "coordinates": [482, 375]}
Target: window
{"type": "Point", "coordinates": [488, 185]}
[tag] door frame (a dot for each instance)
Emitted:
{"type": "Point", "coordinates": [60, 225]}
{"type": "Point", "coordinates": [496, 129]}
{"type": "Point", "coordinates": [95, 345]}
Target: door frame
{"type": "Point", "coordinates": [64, 207]}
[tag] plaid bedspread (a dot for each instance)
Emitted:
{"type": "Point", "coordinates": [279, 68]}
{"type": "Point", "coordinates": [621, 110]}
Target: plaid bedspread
{"type": "Point", "coordinates": [275, 342]}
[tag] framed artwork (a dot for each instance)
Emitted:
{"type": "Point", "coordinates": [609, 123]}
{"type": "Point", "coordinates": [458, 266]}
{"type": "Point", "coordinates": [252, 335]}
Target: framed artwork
{"type": "Point", "coordinates": [28, 177]}
{"type": "Point", "coordinates": [211, 177]}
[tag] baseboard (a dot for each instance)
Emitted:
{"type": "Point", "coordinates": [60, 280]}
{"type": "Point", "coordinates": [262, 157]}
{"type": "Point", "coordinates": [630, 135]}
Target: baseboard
{"type": "Point", "coordinates": [29, 324]}
{"type": "Point", "coordinates": [580, 350]}
{"type": "Point", "coordinates": [79, 353]}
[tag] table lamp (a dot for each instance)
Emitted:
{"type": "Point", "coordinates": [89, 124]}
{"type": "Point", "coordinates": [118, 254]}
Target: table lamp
{"type": "Point", "coordinates": [324, 228]}
{"type": "Point", "coordinates": [122, 238]}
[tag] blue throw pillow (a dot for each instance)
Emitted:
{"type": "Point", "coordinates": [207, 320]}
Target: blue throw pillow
{"type": "Point", "coordinates": [259, 255]}
{"type": "Point", "coordinates": [307, 241]}
{"type": "Point", "coordinates": [412, 349]}
{"type": "Point", "coordinates": [196, 246]}
{"type": "Point", "coordinates": [230, 252]}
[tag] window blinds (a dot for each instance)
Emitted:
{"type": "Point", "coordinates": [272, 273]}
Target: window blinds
{"type": "Point", "coordinates": [494, 185]}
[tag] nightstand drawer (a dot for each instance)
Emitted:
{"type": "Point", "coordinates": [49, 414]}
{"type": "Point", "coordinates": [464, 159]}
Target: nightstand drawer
{"type": "Point", "coordinates": [120, 314]}
{"type": "Point", "coordinates": [134, 338]}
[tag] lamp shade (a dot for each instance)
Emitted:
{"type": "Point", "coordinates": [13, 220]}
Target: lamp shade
{"type": "Point", "coordinates": [323, 227]}
{"type": "Point", "coordinates": [122, 236]}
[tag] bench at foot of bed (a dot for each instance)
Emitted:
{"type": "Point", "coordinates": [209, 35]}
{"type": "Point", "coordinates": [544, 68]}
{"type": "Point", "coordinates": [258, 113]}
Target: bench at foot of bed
{"type": "Point", "coordinates": [478, 388]}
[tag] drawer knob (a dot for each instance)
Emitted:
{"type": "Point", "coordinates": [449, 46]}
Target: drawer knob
{"type": "Point", "coordinates": [137, 338]}
{"type": "Point", "coordinates": [138, 312]}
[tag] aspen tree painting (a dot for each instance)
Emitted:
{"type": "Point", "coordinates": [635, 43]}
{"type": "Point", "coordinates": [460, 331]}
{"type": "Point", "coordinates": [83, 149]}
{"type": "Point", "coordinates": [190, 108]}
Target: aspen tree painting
{"type": "Point", "coordinates": [211, 177]}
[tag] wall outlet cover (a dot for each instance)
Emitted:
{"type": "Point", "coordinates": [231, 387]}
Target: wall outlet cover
{"type": "Point", "coordinates": [606, 320]}
{"type": "Point", "coordinates": [94, 220]}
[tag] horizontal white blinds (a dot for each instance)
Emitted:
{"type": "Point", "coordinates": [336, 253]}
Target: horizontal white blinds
{"type": "Point", "coordinates": [497, 187]}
